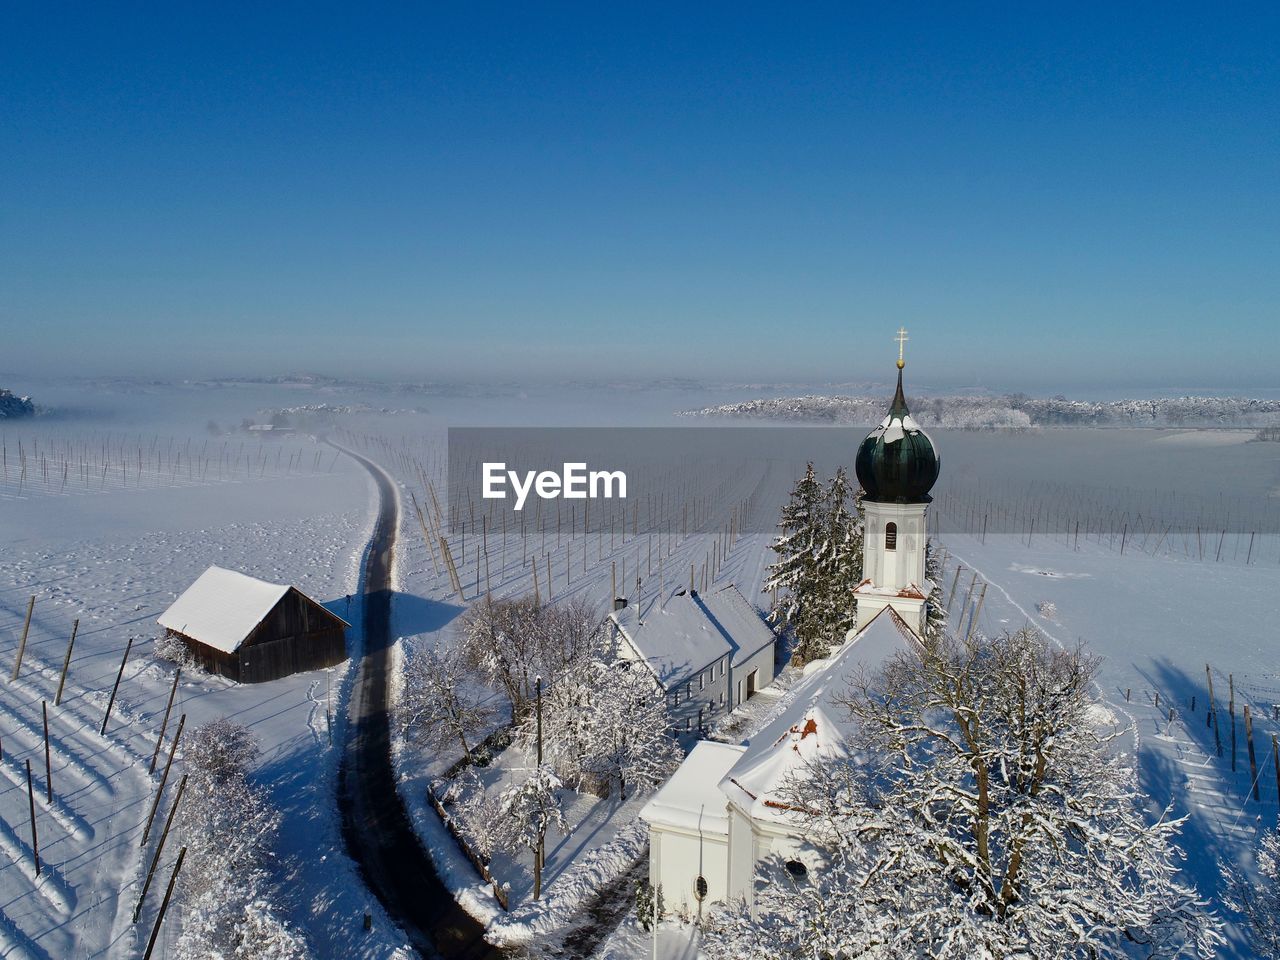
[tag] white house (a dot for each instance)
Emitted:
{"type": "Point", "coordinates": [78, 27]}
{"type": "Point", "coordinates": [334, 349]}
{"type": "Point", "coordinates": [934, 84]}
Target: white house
{"type": "Point", "coordinates": [708, 652]}
{"type": "Point", "coordinates": [726, 807]}
{"type": "Point", "coordinates": [737, 795]}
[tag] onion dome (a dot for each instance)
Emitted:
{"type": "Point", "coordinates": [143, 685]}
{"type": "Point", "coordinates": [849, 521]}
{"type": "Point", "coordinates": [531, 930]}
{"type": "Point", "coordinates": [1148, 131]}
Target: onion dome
{"type": "Point", "coordinates": [897, 463]}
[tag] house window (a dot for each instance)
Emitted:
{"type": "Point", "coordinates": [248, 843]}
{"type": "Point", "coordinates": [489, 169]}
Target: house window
{"type": "Point", "coordinates": [891, 536]}
{"type": "Point", "coordinates": [687, 723]}
{"type": "Point", "coordinates": [722, 698]}
{"type": "Point", "coordinates": [677, 699]}
{"type": "Point", "coordinates": [702, 681]}
{"type": "Point", "coordinates": [688, 689]}
{"type": "Point", "coordinates": [699, 718]}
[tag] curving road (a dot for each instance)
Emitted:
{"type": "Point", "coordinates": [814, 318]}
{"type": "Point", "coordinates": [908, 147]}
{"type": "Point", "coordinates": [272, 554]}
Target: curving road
{"type": "Point", "coordinates": [375, 826]}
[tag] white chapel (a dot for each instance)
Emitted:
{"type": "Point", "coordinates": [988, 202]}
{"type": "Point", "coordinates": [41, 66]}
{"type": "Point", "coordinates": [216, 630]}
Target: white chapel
{"type": "Point", "coordinates": [723, 811]}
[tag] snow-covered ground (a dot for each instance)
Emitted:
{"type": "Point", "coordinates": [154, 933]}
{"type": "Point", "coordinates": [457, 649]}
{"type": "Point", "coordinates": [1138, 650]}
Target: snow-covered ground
{"type": "Point", "coordinates": [114, 556]}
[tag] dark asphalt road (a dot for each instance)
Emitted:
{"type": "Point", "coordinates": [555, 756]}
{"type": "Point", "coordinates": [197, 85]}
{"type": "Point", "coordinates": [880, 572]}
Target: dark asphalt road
{"type": "Point", "coordinates": [375, 826]}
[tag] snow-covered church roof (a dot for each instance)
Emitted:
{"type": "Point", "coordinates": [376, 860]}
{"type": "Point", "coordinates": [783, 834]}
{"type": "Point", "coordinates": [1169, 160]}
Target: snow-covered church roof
{"type": "Point", "coordinates": [222, 608]}
{"type": "Point", "coordinates": [691, 800]}
{"type": "Point", "coordinates": [815, 724]}
{"type": "Point", "coordinates": [689, 632]}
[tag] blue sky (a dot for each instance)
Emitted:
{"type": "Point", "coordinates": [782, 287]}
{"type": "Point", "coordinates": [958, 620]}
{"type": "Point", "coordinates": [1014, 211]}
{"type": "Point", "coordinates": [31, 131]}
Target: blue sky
{"type": "Point", "coordinates": [1084, 198]}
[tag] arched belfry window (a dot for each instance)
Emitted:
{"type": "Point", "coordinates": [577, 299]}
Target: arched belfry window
{"type": "Point", "coordinates": [891, 536]}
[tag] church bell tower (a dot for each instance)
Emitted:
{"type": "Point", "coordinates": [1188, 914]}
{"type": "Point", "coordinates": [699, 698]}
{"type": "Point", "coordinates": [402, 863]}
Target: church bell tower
{"type": "Point", "coordinates": [897, 466]}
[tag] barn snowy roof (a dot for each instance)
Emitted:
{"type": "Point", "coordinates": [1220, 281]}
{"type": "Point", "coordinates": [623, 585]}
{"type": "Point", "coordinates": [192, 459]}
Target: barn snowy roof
{"type": "Point", "coordinates": [689, 632]}
{"type": "Point", "coordinates": [815, 724]}
{"type": "Point", "coordinates": [691, 799]}
{"type": "Point", "coordinates": [222, 608]}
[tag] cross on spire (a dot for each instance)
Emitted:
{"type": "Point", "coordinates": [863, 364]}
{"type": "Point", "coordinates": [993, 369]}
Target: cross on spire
{"type": "Point", "coordinates": [901, 339]}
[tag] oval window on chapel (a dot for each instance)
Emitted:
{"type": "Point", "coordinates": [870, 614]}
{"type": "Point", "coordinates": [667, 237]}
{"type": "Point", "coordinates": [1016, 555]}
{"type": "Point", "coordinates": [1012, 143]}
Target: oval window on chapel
{"type": "Point", "coordinates": [797, 869]}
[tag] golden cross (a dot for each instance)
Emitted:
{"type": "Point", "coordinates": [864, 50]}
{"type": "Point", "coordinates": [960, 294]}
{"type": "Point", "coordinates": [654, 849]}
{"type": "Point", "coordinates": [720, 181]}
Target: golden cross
{"type": "Point", "coordinates": [901, 338]}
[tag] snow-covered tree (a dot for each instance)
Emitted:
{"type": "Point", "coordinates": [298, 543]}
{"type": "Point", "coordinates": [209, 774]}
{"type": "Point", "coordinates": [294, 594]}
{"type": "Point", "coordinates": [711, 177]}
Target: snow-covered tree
{"type": "Point", "coordinates": [840, 563]}
{"type": "Point", "coordinates": [1257, 898]}
{"type": "Point", "coordinates": [605, 719]}
{"type": "Point", "coordinates": [433, 706]}
{"type": "Point", "coordinates": [228, 827]}
{"type": "Point", "coordinates": [263, 935]}
{"type": "Point", "coordinates": [984, 814]}
{"type": "Point", "coordinates": [478, 815]}
{"type": "Point", "coordinates": [529, 810]}
{"type": "Point", "coordinates": [511, 642]}
{"type": "Point", "coordinates": [936, 613]}
{"type": "Point", "coordinates": [818, 565]}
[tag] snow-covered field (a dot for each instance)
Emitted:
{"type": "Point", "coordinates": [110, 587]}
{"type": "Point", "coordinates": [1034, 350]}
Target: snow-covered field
{"type": "Point", "coordinates": [114, 556]}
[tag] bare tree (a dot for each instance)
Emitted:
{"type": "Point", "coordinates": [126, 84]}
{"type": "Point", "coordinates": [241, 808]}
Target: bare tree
{"type": "Point", "coordinates": [512, 642]}
{"type": "Point", "coordinates": [433, 704]}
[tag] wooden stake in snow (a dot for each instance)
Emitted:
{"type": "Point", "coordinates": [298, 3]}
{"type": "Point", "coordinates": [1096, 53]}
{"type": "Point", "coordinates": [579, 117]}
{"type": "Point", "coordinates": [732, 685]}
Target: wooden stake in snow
{"type": "Point", "coordinates": [48, 767]}
{"type": "Point", "coordinates": [164, 724]}
{"type": "Point", "coordinates": [66, 662]}
{"type": "Point", "coordinates": [164, 904]}
{"type": "Point", "coordinates": [164, 778]}
{"type": "Point", "coordinates": [155, 860]}
{"type": "Point", "coordinates": [1275, 755]}
{"type": "Point", "coordinates": [31, 805]}
{"type": "Point", "coordinates": [22, 644]}
{"type": "Point", "coordinates": [116, 686]}
{"type": "Point", "coordinates": [1253, 760]}
{"type": "Point", "coordinates": [1208, 717]}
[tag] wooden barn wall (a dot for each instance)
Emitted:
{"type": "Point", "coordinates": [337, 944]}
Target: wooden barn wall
{"type": "Point", "coordinates": [296, 636]}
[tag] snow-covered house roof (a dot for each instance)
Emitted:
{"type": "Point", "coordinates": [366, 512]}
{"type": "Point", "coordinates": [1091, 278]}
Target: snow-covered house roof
{"type": "Point", "coordinates": [689, 632]}
{"type": "Point", "coordinates": [222, 608]}
{"type": "Point", "coordinates": [815, 724]}
{"type": "Point", "coordinates": [691, 799]}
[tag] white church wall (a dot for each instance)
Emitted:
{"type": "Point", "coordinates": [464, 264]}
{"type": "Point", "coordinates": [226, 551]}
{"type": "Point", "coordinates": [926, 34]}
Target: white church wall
{"type": "Point", "coordinates": [677, 858]}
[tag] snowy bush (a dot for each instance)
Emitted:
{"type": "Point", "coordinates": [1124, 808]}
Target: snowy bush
{"type": "Point", "coordinates": [983, 815]}
{"type": "Point", "coordinates": [171, 648]}
{"type": "Point", "coordinates": [1047, 609]}
{"type": "Point", "coordinates": [228, 828]}
{"type": "Point", "coordinates": [644, 904]}
{"type": "Point", "coordinates": [1257, 898]}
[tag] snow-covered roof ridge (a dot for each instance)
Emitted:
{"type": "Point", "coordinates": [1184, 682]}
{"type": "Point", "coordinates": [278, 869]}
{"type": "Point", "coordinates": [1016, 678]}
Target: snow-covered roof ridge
{"type": "Point", "coordinates": [222, 608]}
{"type": "Point", "coordinates": [816, 724]}
{"type": "Point", "coordinates": [687, 633]}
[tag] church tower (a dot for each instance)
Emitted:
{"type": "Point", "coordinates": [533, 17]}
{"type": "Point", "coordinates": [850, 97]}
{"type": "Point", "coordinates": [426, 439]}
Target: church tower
{"type": "Point", "coordinates": [897, 467]}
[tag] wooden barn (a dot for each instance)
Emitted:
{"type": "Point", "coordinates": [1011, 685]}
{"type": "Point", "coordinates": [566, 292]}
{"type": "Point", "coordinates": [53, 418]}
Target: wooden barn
{"type": "Point", "coordinates": [251, 631]}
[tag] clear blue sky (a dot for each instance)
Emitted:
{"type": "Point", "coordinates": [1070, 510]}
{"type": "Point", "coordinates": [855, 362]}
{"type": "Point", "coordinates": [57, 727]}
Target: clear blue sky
{"type": "Point", "coordinates": [1082, 197]}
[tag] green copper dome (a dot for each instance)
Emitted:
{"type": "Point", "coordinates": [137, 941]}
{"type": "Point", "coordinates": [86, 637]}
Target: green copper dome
{"type": "Point", "coordinates": [896, 463]}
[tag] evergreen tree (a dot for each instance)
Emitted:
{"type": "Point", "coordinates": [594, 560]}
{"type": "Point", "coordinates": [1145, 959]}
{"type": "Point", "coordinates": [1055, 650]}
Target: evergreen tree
{"type": "Point", "coordinates": [819, 564]}
{"type": "Point", "coordinates": [840, 566]}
